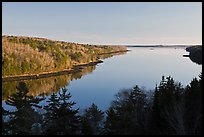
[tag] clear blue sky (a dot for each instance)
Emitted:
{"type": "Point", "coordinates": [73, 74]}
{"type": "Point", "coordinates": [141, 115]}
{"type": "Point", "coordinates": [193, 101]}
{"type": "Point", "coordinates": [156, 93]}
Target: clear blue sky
{"type": "Point", "coordinates": [106, 22]}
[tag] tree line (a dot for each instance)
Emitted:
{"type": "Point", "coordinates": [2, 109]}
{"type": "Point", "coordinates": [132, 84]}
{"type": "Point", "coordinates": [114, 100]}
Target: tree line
{"type": "Point", "coordinates": [171, 110]}
{"type": "Point", "coordinates": [29, 55]}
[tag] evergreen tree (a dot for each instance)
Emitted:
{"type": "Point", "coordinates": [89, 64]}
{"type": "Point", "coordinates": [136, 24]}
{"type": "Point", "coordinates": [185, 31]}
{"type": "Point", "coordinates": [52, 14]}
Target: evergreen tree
{"type": "Point", "coordinates": [168, 108]}
{"type": "Point", "coordinates": [193, 111]}
{"type": "Point", "coordinates": [22, 120]}
{"type": "Point", "coordinates": [154, 123]}
{"type": "Point", "coordinates": [92, 120]}
{"type": "Point", "coordinates": [128, 112]}
{"type": "Point", "coordinates": [111, 125]}
{"type": "Point", "coordinates": [60, 118]}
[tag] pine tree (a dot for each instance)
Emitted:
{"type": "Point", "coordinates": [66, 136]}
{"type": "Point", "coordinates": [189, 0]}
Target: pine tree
{"type": "Point", "coordinates": [111, 124]}
{"type": "Point", "coordinates": [193, 112]}
{"type": "Point", "coordinates": [60, 118]}
{"type": "Point", "coordinates": [168, 108]}
{"type": "Point", "coordinates": [22, 120]}
{"type": "Point", "coordinates": [92, 120]}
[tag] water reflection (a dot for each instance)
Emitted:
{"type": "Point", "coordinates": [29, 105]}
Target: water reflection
{"type": "Point", "coordinates": [140, 66]}
{"type": "Point", "coordinates": [46, 86]}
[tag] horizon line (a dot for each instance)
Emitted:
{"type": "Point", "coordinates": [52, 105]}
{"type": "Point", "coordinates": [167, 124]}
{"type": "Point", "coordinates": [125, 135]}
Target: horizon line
{"type": "Point", "coordinates": [103, 44]}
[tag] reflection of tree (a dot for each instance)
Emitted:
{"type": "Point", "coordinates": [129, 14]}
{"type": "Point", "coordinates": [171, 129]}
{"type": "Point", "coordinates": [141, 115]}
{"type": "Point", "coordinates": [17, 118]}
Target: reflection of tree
{"type": "Point", "coordinates": [37, 87]}
{"type": "Point", "coordinates": [84, 71]}
{"type": "Point", "coordinates": [48, 85]}
{"type": "Point", "coordinates": [104, 56]}
{"type": "Point", "coordinates": [45, 86]}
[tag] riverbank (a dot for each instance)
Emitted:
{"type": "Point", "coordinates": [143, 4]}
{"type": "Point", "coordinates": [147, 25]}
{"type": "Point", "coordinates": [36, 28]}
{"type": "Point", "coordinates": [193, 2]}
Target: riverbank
{"type": "Point", "coordinates": [31, 55]}
{"type": "Point", "coordinates": [75, 69]}
{"type": "Point", "coordinates": [115, 52]}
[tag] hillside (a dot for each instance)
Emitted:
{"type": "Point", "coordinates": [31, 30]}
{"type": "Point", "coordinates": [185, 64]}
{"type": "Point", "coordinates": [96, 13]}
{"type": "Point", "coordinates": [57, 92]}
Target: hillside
{"type": "Point", "coordinates": [31, 55]}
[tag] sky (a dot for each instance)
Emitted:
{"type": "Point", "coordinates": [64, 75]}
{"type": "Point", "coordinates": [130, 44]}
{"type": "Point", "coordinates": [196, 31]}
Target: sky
{"type": "Point", "coordinates": [123, 23]}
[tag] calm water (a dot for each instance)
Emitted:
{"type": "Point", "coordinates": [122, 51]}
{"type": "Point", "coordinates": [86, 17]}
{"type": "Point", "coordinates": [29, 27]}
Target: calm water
{"type": "Point", "coordinates": [141, 66]}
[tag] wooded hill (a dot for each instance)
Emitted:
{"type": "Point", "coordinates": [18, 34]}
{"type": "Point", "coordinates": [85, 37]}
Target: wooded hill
{"type": "Point", "coordinates": [31, 55]}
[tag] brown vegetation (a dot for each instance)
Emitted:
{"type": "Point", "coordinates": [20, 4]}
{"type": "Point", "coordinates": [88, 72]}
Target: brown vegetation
{"type": "Point", "coordinates": [29, 55]}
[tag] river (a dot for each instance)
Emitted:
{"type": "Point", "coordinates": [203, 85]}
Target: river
{"type": "Point", "coordinates": [98, 84]}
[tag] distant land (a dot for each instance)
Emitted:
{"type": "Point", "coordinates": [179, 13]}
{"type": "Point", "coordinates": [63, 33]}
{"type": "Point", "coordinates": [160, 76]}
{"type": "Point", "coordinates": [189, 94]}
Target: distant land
{"type": "Point", "coordinates": [160, 45]}
{"type": "Point", "coordinates": [195, 53]}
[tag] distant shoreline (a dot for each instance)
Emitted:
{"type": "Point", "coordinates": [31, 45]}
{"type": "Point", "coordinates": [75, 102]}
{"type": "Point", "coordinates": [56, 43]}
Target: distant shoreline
{"type": "Point", "coordinates": [155, 46]}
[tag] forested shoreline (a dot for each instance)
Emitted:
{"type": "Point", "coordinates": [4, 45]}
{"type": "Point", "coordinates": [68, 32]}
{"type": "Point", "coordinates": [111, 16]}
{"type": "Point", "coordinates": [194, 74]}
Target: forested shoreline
{"type": "Point", "coordinates": [195, 53]}
{"type": "Point", "coordinates": [76, 69]}
{"type": "Point", "coordinates": [172, 109]}
{"type": "Point", "coordinates": [31, 55]}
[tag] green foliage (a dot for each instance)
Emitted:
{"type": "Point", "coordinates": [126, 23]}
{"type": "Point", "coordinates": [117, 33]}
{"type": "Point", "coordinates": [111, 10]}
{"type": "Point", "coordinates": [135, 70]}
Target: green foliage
{"type": "Point", "coordinates": [25, 66]}
{"type": "Point", "coordinates": [46, 55]}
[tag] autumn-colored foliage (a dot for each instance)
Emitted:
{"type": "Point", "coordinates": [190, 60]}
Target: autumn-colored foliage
{"type": "Point", "coordinates": [24, 55]}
